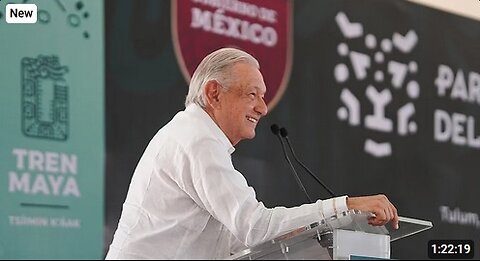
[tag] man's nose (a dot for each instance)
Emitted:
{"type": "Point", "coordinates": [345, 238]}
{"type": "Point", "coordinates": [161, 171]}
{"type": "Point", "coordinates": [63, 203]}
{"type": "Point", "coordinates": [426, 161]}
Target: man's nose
{"type": "Point", "coordinates": [261, 107]}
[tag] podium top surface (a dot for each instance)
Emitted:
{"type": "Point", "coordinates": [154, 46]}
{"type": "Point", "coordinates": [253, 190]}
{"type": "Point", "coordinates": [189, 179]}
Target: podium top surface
{"type": "Point", "coordinates": [407, 227]}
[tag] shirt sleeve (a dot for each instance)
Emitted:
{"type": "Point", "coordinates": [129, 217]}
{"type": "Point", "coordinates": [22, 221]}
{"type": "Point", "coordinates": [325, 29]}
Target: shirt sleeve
{"type": "Point", "coordinates": [334, 205]}
{"type": "Point", "coordinates": [223, 191]}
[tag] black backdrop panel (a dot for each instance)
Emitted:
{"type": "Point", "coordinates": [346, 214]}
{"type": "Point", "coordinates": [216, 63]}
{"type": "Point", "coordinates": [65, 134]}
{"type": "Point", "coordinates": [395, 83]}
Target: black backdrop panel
{"type": "Point", "coordinates": [392, 107]}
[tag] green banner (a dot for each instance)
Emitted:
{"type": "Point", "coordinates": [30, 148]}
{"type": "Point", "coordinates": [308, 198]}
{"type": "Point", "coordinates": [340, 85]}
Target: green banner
{"type": "Point", "coordinates": [52, 143]}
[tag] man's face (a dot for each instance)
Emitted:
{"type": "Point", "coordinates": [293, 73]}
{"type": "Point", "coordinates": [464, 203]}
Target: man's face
{"type": "Point", "coordinates": [242, 105]}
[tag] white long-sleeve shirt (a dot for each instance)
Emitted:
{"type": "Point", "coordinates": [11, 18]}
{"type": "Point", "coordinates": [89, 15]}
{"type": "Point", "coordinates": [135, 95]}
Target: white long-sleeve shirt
{"type": "Point", "coordinates": [187, 201]}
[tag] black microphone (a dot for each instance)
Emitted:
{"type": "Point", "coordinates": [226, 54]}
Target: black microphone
{"type": "Point", "coordinates": [276, 130]}
{"type": "Point", "coordinates": [284, 134]}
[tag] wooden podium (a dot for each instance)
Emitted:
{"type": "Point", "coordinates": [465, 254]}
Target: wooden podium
{"type": "Point", "coordinates": [344, 236]}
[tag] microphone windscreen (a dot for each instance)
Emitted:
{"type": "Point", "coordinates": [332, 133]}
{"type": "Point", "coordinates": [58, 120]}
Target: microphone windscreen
{"type": "Point", "coordinates": [283, 132]}
{"type": "Point", "coordinates": [275, 129]}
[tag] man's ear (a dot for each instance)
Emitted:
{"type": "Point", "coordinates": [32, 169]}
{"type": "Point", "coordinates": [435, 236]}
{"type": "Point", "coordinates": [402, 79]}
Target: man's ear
{"type": "Point", "coordinates": [212, 92]}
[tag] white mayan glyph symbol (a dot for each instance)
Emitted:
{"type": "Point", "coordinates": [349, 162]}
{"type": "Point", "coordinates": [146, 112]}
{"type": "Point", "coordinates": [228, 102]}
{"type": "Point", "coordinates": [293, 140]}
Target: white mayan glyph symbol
{"type": "Point", "coordinates": [361, 63]}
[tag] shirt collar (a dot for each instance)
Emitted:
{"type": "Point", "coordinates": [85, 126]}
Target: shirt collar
{"type": "Point", "coordinates": [203, 115]}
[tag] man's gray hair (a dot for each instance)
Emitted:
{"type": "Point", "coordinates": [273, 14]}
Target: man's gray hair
{"type": "Point", "coordinates": [215, 66]}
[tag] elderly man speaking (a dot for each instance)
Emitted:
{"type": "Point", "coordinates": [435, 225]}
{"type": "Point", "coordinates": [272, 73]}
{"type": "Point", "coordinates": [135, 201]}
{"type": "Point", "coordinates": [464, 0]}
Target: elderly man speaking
{"type": "Point", "coordinates": [186, 199]}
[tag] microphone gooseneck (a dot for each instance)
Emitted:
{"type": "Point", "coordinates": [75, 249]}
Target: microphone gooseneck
{"type": "Point", "coordinates": [276, 131]}
{"type": "Point", "coordinates": [284, 134]}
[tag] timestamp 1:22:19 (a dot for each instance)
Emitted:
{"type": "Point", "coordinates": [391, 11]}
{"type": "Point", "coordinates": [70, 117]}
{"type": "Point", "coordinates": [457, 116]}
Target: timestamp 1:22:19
{"type": "Point", "coordinates": [451, 249]}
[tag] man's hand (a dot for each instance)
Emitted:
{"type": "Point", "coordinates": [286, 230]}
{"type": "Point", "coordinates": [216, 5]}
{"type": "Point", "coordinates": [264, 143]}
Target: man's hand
{"type": "Point", "coordinates": [383, 210]}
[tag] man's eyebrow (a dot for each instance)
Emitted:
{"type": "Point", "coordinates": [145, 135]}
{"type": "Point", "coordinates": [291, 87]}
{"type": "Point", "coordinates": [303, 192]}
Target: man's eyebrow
{"type": "Point", "coordinates": [258, 88]}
